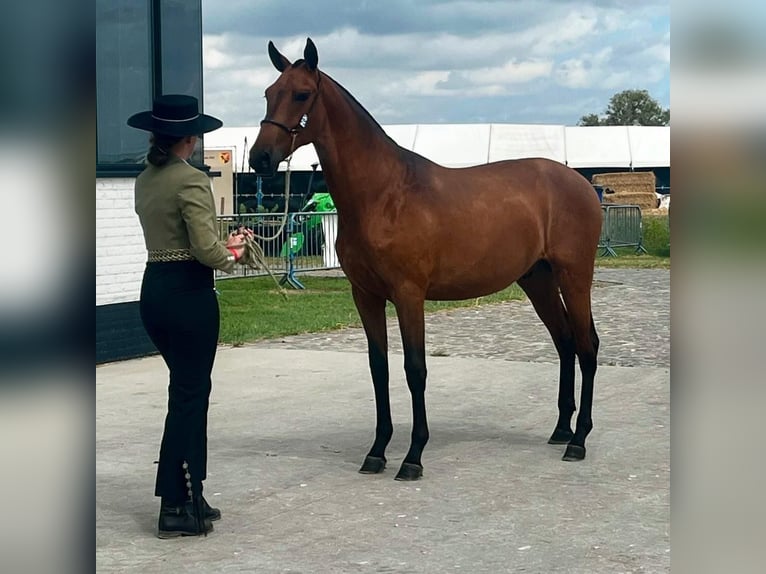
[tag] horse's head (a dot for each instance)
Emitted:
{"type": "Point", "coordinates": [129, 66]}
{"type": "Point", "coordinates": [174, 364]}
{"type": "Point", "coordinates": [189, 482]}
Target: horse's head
{"type": "Point", "coordinates": [290, 120]}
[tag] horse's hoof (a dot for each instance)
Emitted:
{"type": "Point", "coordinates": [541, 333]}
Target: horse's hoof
{"type": "Point", "coordinates": [409, 471]}
{"type": "Point", "coordinates": [561, 436]}
{"type": "Point", "coordinates": [574, 452]}
{"type": "Point", "coordinates": [373, 465]}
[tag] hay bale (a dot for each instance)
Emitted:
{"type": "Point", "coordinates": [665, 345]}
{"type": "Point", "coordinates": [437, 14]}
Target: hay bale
{"type": "Point", "coordinates": [642, 199]}
{"type": "Point", "coordinates": [625, 177]}
{"type": "Point", "coordinates": [635, 188]}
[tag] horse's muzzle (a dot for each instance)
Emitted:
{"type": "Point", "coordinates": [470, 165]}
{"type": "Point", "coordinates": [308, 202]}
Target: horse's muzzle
{"type": "Point", "coordinates": [262, 162]}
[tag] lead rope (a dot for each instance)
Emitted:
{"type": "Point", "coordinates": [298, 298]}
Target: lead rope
{"type": "Point", "coordinates": [253, 256]}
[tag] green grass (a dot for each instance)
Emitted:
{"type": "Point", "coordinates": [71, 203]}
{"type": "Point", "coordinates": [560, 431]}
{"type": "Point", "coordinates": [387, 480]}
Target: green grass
{"type": "Point", "coordinates": [627, 258]}
{"type": "Point", "coordinates": [253, 309]}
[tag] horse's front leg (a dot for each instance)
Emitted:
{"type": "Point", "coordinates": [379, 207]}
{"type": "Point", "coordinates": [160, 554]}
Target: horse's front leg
{"type": "Point", "coordinates": [372, 311]}
{"type": "Point", "coordinates": [409, 309]}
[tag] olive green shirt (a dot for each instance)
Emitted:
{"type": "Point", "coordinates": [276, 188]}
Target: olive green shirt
{"type": "Point", "coordinates": [177, 211]}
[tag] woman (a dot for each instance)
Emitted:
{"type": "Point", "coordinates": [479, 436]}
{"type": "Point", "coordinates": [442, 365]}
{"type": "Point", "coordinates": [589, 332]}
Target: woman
{"type": "Point", "coordinates": [179, 310]}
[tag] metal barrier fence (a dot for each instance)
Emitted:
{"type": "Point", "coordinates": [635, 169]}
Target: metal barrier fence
{"type": "Point", "coordinates": [621, 227]}
{"type": "Point", "coordinates": [306, 242]}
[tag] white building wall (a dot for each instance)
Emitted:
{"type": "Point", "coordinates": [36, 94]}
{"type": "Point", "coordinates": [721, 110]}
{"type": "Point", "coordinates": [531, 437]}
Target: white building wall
{"type": "Point", "coordinates": [120, 250]}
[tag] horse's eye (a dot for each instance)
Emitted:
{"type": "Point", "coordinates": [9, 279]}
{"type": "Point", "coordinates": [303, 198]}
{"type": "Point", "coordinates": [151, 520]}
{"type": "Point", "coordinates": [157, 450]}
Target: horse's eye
{"type": "Point", "coordinates": [301, 96]}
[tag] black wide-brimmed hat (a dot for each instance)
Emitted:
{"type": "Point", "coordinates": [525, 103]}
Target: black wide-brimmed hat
{"type": "Point", "coordinates": [175, 115]}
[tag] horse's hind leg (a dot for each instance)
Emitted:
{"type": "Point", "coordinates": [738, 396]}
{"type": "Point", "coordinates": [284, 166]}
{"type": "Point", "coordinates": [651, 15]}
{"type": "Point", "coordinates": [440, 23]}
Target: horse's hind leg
{"type": "Point", "coordinates": [575, 291]}
{"type": "Point", "coordinates": [372, 311]}
{"type": "Point", "coordinates": [541, 288]}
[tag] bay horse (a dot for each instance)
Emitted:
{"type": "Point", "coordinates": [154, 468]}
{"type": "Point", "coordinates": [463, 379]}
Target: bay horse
{"type": "Point", "coordinates": [410, 230]}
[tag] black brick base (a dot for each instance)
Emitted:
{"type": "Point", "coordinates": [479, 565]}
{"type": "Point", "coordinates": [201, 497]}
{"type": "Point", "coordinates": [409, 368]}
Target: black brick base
{"type": "Point", "coordinates": [120, 334]}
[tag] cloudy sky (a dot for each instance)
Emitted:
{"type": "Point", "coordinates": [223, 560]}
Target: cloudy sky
{"type": "Point", "coordinates": [443, 61]}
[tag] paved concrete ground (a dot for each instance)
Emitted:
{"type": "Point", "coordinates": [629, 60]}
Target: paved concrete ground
{"type": "Point", "coordinates": [631, 309]}
{"type": "Point", "coordinates": [289, 427]}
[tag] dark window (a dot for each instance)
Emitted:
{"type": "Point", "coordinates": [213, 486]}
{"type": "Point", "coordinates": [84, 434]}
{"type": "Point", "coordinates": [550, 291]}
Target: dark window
{"type": "Point", "coordinates": [143, 48]}
{"type": "Point", "coordinates": [181, 31]}
{"type": "Point", "coordinates": [123, 77]}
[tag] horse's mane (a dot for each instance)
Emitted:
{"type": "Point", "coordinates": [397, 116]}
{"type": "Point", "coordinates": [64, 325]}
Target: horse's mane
{"type": "Point", "coordinates": [350, 97]}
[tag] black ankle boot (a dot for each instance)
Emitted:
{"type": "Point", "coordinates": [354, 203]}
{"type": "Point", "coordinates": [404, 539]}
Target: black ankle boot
{"type": "Point", "coordinates": [208, 511]}
{"type": "Point", "coordinates": [180, 520]}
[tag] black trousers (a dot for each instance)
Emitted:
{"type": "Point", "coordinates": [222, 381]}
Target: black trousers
{"type": "Point", "coordinates": [180, 312]}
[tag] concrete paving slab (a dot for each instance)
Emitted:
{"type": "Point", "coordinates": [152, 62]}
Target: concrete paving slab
{"type": "Point", "coordinates": [288, 430]}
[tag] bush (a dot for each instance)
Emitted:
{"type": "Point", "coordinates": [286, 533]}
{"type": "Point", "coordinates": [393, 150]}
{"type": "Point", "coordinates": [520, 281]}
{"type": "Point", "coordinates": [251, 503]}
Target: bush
{"type": "Point", "coordinates": [657, 235]}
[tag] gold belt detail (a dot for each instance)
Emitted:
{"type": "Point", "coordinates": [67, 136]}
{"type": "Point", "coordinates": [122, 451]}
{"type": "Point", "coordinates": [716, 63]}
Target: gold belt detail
{"type": "Point", "coordinates": [158, 255]}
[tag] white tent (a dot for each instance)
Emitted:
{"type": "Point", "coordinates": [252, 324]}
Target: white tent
{"type": "Point", "coordinates": [403, 134]}
{"type": "Point", "coordinates": [461, 145]}
{"type": "Point", "coordinates": [598, 146]}
{"type": "Point", "coordinates": [515, 141]}
{"type": "Point", "coordinates": [649, 146]}
{"type": "Point", "coordinates": [453, 145]}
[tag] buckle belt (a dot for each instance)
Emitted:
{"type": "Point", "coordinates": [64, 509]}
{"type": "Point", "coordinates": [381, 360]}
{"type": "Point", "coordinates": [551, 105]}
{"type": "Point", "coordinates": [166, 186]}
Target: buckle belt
{"type": "Point", "coordinates": [160, 255]}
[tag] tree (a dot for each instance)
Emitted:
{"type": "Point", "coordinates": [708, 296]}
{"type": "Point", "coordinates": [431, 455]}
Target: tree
{"type": "Point", "coordinates": [630, 108]}
{"type": "Point", "coordinates": [590, 120]}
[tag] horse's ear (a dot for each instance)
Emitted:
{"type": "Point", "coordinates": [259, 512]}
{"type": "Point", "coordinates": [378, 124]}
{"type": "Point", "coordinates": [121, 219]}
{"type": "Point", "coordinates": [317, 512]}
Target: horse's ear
{"type": "Point", "coordinates": [310, 55]}
{"type": "Point", "coordinates": [280, 62]}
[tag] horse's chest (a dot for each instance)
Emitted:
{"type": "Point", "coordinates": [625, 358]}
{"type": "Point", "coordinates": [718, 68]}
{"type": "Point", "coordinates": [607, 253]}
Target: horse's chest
{"type": "Point", "coordinates": [356, 255]}
{"type": "Point", "coordinates": [367, 249]}
{"type": "Point", "coordinates": [365, 262]}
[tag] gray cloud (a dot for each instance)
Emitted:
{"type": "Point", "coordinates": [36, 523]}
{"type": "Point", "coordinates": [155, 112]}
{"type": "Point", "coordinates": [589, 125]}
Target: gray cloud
{"type": "Point", "coordinates": [284, 19]}
{"type": "Point", "coordinates": [279, 19]}
{"type": "Point", "coordinates": [450, 61]}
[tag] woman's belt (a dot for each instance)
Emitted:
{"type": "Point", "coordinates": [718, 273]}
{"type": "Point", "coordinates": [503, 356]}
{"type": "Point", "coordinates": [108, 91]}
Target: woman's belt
{"type": "Point", "coordinates": [158, 255]}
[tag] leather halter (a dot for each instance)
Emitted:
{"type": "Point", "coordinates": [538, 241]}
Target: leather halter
{"type": "Point", "coordinates": [303, 122]}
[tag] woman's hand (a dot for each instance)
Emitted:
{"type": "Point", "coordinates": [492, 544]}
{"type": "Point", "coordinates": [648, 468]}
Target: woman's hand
{"type": "Point", "coordinates": [246, 231]}
{"type": "Point", "coordinates": [236, 244]}
{"type": "Point", "coordinates": [236, 241]}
